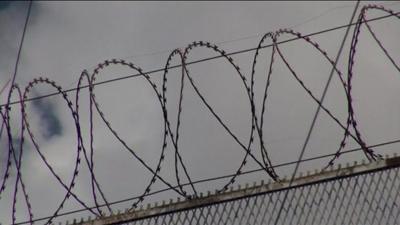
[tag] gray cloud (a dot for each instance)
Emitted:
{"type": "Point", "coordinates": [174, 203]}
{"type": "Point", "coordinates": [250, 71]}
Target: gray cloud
{"type": "Point", "coordinates": [51, 125]}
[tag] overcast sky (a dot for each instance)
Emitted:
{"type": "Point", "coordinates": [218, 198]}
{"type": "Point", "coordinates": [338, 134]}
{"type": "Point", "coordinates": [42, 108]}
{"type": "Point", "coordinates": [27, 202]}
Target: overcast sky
{"type": "Point", "coordinates": [65, 38]}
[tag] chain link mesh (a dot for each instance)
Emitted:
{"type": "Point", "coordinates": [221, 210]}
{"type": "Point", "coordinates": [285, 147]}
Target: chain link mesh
{"type": "Point", "coordinates": [369, 198]}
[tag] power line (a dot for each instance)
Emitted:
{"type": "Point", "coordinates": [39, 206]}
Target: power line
{"type": "Point", "coordinates": [21, 43]}
{"type": "Point", "coordinates": [198, 61]}
{"type": "Point", "coordinates": [218, 178]}
{"type": "Point", "coordinates": [317, 113]}
{"type": "Point", "coordinates": [238, 39]}
{"type": "Point", "coordinates": [18, 166]}
{"type": "Point", "coordinates": [12, 80]}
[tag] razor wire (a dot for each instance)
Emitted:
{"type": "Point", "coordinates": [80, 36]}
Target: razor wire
{"type": "Point", "coordinates": [84, 152]}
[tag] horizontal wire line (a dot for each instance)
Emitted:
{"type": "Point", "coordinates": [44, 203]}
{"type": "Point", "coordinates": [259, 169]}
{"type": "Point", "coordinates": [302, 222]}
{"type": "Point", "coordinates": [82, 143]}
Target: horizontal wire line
{"type": "Point", "coordinates": [216, 178]}
{"type": "Point", "coordinates": [197, 61]}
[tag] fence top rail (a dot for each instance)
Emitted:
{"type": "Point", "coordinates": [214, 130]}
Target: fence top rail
{"type": "Point", "coordinates": [211, 198]}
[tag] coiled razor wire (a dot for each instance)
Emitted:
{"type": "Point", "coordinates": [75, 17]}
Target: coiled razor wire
{"type": "Point", "coordinates": [15, 152]}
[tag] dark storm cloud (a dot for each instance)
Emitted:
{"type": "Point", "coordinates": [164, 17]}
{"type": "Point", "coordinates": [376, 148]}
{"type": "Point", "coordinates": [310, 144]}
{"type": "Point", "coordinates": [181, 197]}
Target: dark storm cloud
{"type": "Point", "coordinates": [4, 4]}
{"type": "Point", "coordinates": [49, 121]}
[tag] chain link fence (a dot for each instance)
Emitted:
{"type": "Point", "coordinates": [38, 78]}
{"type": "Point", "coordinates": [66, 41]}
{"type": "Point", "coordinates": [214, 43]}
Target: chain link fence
{"type": "Point", "coordinates": [371, 198]}
{"type": "Point", "coordinates": [361, 195]}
